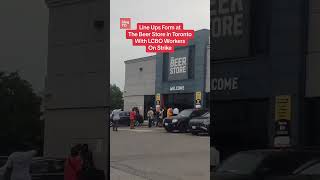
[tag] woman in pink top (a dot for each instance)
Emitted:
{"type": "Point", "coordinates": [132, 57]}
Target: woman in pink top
{"type": "Point", "coordinates": [73, 165]}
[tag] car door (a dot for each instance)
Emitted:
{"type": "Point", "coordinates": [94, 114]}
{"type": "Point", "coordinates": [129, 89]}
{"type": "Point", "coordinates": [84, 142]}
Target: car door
{"type": "Point", "coordinates": [55, 170]}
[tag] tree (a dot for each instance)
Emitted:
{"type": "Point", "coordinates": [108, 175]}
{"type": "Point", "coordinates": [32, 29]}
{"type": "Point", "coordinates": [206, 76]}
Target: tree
{"type": "Point", "coordinates": [19, 113]}
{"type": "Point", "coordinates": [116, 97]}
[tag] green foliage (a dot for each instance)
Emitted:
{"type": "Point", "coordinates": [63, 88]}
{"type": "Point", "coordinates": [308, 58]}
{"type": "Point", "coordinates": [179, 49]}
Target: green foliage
{"type": "Point", "coordinates": [19, 112]}
{"type": "Point", "coordinates": [116, 97]}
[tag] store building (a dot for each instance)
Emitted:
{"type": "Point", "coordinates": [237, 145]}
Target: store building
{"type": "Point", "coordinates": [264, 75]}
{"type": "Point", "coordinates": [181, 76]}
{"type": "Point", "coordinates": [180, 79]}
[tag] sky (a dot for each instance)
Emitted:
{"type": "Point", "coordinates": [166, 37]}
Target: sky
{"type": "Point", "coordinates": [24, 33]}
{"type": "Point", "coordinates": [23, 39]}
{"type": "Point", "coordinates": [195, 14]}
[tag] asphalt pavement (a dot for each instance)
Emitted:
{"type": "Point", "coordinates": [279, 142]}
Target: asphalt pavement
{"type": "Point", "coordinates": [153, 154]}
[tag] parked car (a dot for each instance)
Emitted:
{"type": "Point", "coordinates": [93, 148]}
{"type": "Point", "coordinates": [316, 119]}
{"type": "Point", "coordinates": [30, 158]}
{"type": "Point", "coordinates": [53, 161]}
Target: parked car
{"type": "Point", "coordinates": [200, 124]}
{"type": "Point", "coordinates": [181, 121]}
{"type": "Point", "coordinates": [124, 118]}
{"type": "Point", "coordinates": [44, 168]}
{"type": "Point", "coordinates": [308, 171]}
{"type": "Point", "coordinates": [262, 164]}
{"type": "Point", "coordinates": [47, 169]}
{"type": "Point", "coordinates": [3, 160]}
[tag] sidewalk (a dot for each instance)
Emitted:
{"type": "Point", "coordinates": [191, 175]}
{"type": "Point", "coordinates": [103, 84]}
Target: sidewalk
{"type": "Point", "coordinates": [145, 123]}
{"type": "Point", "coordinates": [120, 175]}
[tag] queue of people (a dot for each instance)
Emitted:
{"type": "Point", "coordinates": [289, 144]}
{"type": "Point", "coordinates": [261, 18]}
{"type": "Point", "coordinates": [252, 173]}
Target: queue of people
{"type": "Point", "coordinates": [155, 116]}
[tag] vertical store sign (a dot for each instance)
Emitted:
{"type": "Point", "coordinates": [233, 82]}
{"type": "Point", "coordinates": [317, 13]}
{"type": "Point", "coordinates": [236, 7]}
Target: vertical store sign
{"type": "Point", "coordinates": [158, 97]}
{"type": "Point", "coordinates": [282, 121]}
{"type": "Point", "coordinates": [230, 28]}
{"type": "Point", "coordinates": [198, 97]}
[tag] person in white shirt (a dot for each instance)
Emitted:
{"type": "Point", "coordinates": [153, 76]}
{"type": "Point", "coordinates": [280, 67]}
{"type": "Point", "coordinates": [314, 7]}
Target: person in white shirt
{"type": "Point", "coordinates": [116, 119]}
{"type": "Point", "coordinates": [20, 163]}
{"type": "Point", "coordinates": [175, 111]}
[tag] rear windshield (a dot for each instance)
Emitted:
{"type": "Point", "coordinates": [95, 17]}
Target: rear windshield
{"type": "Point", "coordinates": [185, 113]}
{"type": "Point", "coordinates": [241, 163]}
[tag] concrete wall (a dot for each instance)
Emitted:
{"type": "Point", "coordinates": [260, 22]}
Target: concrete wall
{"type": "Point", "coordinates": [78, 79]}
{"type": "Point", "coordinates": [313, 57]}
{"type": "Point", "coordinates": [134, 101]}
{"type": "Point", "coordinates": [140, 82]}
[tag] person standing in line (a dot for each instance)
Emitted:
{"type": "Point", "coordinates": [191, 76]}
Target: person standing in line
{"type": "Point", "coordinates": [132, 118]}
{"type": "Point", "coordinates": [175, 111]}
{"type": "Point", "coordinates": [73, 164]}
{"type": "Point", "coordinates": [137, 117]}
{"type": "Point", "coordinates": [116, 119]}
{"type": "Point", "coordinates": [87, 157]}
{"type": "Point", "coordinates": [157, 116]}
{"type": "Point", "coordinates": [19, 163]}
{"type": "Point", "coordinates": [169, 113]}
{"type": "Point", "coordinates": [165, 111]}
{"type": "Point", "coordinates": [150, 115]}
{"type": "Point", "coordinates": [161, 117]}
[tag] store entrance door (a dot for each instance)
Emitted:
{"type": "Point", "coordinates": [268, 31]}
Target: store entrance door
{"type": "Point", "coordinates": [181, 101]}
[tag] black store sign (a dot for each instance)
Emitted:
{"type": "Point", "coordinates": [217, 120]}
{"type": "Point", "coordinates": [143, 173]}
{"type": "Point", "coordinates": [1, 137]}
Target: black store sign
{"type": "Point", "coordinates": [178, 65]}
{"type": "Point", "coordinates": [230, 29]}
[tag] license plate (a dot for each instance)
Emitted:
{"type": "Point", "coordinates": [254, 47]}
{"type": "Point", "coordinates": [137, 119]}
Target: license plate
{"type": "Point", "coordinates": [194, 127]}
{"type": "Point", "coordinates": [166, 124]}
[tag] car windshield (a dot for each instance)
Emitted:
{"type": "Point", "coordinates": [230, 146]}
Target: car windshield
{"type": "Point", "coordinates": [312, 170]}
{"type": "Point", "coordinates": [206, 115]}
{"type": "Point", "coordinates": [241, 163]}
{"type": "Point", "coordinates": [185, 113]}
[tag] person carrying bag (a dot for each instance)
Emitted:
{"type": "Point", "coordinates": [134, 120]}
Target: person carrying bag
{"type": "Point", "coordinates": [89, 171]}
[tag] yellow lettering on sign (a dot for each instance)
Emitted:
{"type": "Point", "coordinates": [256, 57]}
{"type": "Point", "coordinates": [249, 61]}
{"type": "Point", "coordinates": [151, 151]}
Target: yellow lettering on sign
{"type": "Point", "coordinates": [283, 107]}
{"type": "Point", "coordinates": [198, 95]}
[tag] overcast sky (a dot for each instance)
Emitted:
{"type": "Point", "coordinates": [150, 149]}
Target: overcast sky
{"type": "Point", "coordinates": [23, 39]}
{"type": "Point", "coordinates": [23, 32]}
{"type": "Point", "coordinates": [195, 14]}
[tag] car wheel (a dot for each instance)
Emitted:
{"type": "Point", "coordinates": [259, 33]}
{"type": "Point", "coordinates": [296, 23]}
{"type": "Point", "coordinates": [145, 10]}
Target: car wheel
{"type": "Point", "coordinates": [182, 128]}
{"type": "Point", "coordinates": [168, 129]}
{"type": "Point", "coordinates": [194, 133]}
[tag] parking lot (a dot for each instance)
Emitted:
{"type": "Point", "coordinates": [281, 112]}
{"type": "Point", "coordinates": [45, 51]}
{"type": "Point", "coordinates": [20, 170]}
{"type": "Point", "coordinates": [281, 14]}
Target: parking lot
{"type": "Point", "coordinates": [153, 154]}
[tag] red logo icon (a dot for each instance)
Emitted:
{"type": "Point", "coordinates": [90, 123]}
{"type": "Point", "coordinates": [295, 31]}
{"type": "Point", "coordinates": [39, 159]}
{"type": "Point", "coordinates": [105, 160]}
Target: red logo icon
{"type": "Point", "coordinates": [125, 23]}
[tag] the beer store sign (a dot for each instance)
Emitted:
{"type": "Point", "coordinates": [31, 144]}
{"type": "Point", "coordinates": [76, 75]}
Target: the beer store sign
{"type": "Point", "coordinates": [178, 65]}
{"type": "Point", "coordinates": [230, 28]}
{"type": "Point", "coordinates": [228, 18]}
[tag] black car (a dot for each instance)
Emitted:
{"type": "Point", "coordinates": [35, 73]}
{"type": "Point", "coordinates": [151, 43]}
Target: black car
{"type": "Point", "coordinates": [200, 124]}
{"type": "Point", "coordinates": [3, 160]}
{"type": "Point", "coordinates": [262, 164]}
{"type": "Point", "coordinates": [308, 171]}
{"type": "Point", "coordinates": [124, 118]}
{"type": "Point", "coordinates": [181, 121]}
{"type": "Point", "coordinates": [47, 169]}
